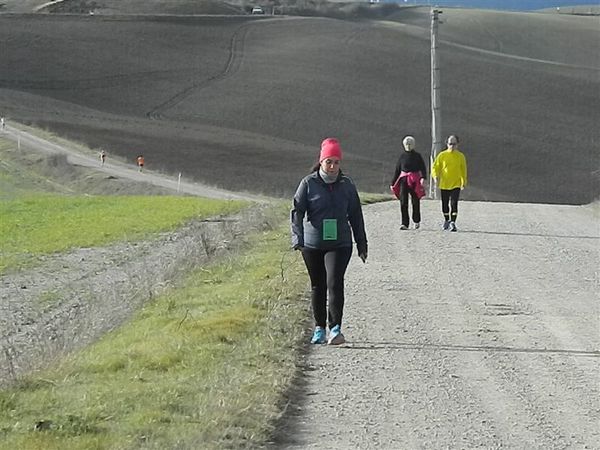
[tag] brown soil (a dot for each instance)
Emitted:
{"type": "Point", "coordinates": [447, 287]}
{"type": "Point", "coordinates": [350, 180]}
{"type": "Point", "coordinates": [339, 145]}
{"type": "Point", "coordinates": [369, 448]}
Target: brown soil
{"type": "Point", "coordinates": [241, 103]}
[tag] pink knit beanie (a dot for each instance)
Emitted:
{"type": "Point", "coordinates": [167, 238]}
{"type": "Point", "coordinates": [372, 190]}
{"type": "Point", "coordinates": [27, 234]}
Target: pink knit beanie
{"type": "Point", "coordinates": [330, 148]}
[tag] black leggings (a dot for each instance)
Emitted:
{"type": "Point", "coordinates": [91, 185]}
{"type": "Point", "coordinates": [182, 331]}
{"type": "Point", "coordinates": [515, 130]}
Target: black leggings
{"type": "Point", "coordinates": [405, 191]}
{"type": "Point", "coordinates": [450, 196]}
{"type": "Point", "coordinates": [326, 269]}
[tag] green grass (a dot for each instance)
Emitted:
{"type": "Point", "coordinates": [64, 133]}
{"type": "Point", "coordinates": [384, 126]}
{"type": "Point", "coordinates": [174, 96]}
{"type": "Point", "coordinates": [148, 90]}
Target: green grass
{"type": "Point", "coordinates": [367, 198]}
{"type": "Point", "coordinates": [205, 366]}
{"type": "Point", "coordinates": [41, 224]}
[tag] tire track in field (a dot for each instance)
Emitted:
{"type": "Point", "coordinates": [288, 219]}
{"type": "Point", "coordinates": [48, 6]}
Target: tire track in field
{"type": "Point", "coordinates": [236, 54]}
{"type": "Point", "coordinates": [356, 35]}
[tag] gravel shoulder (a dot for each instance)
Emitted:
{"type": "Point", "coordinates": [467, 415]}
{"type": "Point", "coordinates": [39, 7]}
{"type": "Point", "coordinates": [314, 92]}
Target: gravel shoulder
{"type": "Point", "coordinates": [485, 338]}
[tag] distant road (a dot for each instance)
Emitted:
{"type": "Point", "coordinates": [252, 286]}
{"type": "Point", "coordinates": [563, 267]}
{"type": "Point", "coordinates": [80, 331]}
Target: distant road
{"type": "Point", "coordinates": [123, 170]}
{"type": "Point", "coordinates": [518, 57]}
{"type": "Point", "coordinates": [424, 33]}
{"type": "Point", "coordinates": [44, 5]}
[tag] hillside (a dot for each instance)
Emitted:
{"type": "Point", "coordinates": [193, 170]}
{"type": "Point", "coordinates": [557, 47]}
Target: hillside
{"type": "Point", "coordinates": [241, 102]}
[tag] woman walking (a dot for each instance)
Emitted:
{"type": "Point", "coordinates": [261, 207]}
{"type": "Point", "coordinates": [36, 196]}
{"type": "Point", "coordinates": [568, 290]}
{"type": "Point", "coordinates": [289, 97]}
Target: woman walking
{"type": "Point", "coordinates": [450, 166]}
{"type": "Point", "coordinates": [410, 174]}
{"type": "Point", "coordinates": [326, 214]}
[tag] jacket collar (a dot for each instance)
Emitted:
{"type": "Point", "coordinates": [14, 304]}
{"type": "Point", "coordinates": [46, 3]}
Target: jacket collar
{"type": "Point", "coordinates": [316, 175]}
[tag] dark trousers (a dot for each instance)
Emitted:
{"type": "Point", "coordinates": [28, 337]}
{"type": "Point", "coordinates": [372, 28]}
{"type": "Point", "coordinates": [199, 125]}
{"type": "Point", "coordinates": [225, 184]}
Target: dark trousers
{"type": "Point", "coordinates": [405, 192]}
{"type": "Point", "coordinates": [450, 196]}
{"type": "Point", "coordinates": [326, 269]}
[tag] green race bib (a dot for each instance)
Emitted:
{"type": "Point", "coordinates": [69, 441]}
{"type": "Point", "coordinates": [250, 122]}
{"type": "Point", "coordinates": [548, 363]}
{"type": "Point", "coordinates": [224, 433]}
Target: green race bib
{"type": "Point", "coordinates": [329, 229]}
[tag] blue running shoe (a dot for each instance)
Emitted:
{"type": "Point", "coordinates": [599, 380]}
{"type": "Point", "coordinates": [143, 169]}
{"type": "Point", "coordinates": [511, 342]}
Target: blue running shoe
{"type": "Point", "coordinates": [446, 225]}
{"type": "Point", "coordinates": [335, 336]}
{"type": "Point", "coordinates": [318, 336]}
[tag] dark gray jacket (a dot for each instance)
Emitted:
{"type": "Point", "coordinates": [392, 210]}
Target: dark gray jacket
{"type": "Point", "coordinates": [315, 201]}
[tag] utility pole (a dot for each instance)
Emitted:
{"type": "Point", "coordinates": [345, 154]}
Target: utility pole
{"type": "Point", "coordinates": [436, 107]}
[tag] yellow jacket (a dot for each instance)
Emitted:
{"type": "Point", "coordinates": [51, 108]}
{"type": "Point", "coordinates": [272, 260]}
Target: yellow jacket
{"type": "Point", "coordinates": [450, 167]}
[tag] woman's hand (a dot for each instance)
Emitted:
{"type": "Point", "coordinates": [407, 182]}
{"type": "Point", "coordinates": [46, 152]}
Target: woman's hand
{"type": "Point", "coordinates": [363, 255]}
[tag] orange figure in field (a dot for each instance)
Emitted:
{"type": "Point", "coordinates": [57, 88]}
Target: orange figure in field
{"type": "Point", "coordinates": [140, 162]}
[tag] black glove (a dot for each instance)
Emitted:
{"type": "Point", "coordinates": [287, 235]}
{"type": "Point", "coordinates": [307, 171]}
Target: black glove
{"type": "Point", "coordinates": [363, 256]}
{"type": "Point", "coordinates": [363, 253]}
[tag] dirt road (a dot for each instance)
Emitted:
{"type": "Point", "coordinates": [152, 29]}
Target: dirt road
{"type": "Point", "coordinates": [485, 338]}
{"type": "Point", "coordinates": [119, 169]}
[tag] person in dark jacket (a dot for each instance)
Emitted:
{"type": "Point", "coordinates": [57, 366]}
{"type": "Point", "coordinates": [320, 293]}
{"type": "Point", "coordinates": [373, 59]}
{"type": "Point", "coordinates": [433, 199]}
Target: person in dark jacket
{"type": "Point", "coordinates": [326, 214]}
{"type": "Point", "coordinates": [410, 173]}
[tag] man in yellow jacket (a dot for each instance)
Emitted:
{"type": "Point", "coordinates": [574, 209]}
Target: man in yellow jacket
{"type": "Point", "coordinates": [450, 168]}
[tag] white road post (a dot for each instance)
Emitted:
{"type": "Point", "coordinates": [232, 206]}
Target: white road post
{"type": "Point", "coordinates": [436, 107]}
{"type": "Point", "coordinates": [179, 182]}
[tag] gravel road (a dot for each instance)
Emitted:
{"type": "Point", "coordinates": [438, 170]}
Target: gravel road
{"type": "Point", "coordinates": [122, 170]}
{"type": "Point", "coordinates": [485, 338]}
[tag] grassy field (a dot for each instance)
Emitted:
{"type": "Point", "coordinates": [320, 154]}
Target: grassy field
{"type": "Point", "coordinates": [204, 366]}
{"type": "Point", "coordinates": [41, 224]}
{"type": "Point", "coordinates": [42, 214]}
